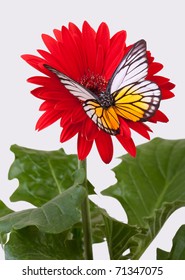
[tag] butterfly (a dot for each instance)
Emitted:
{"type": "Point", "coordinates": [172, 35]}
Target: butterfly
{"type": "Point", "coordinates": [128, 95]}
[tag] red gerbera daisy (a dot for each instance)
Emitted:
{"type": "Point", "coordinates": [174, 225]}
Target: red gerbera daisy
{"type": "Point", "coordinates": [90, 58]}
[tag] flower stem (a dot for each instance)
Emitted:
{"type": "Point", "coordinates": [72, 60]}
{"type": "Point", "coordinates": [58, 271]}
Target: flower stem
{"type": "Point", "coordinates": [86, 219]}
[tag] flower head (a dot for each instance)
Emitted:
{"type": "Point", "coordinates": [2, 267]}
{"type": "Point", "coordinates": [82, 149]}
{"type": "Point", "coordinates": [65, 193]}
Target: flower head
{"type": "Point", "coordinates": [87, 59]}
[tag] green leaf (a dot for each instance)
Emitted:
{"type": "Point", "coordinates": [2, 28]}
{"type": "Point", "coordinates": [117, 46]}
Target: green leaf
{"type": "Point", "coordinates": [119, 237]}
{"type": "Point", "coordinates": [4, 210]}
{"type": "Point", "coordinates": [150, 187]}
{"type": "Point", "coordinates": [97, 223]}
{"type": "Point", "coordinates": [31, 244]}
{"type": "Point", "coordinates": [42, 175]}
{"type": "Point", "coordinates": [79, 176]}
{"type": "Point", "coordinates": [55, 216]}
{"type": "Point", "coordinates": [178, 248]}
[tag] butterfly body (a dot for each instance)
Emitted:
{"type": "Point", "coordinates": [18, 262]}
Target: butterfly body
{"type": "Point", "coordinates": [128, 94]}
{"type": "Point", "coordinates": [106, 100]}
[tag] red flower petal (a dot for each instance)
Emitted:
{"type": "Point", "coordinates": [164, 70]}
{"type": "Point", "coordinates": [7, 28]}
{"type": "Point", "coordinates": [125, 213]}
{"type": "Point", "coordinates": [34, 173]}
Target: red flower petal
{"type": "Point", "coordinates": [103, 37]}
{"type": "Point", "coordinates": [72, 54]}
{"type": "Point", "coordinates": [37, 92]}
{"type": "Point", "coordinates": [90, 129]}
{"type": "Point", "coordinates": [168, 86]}
{"type": "Point", "coordinates": [77, 37]}
{"type": "Point", "coordinates": [66, 118]}
{"type": "Point", "coordinates": [166, 94]}
{"type": "Point", "coordinates": [39, 80]}
{"type": "Point", "coordinates": [159, 80]}
{"type": "Point", "coordinates": [47, 119]}
{"type": "Point", "coordinates": [48, 83]}
{"type": "Point", "coordinates": [84, 147]}
{"type": "Point", "coordinates": [115, 53]}
{"type": "Point", "coordinates": [154, 68]}
{"type": "Point", "coordinates": [47, 105]}
{"type": "Point", "coordinates": [47, 94]}
{"type": "Point", "coordinates": [141, 128]}
{"type": "Point", "coordinates": [75, 31]}
{"type": "Point", "coordinates": [65, 104]}
{"type": "Point", "coordinates": [88, 36]}
{"type": "Point", "coordinates": [159, 117]}
{"type": "Point", "coordinates": [104, 146]}
{"type": "Point", "coordinates": [99, 65]}
{"type": "Point", "coordinates": [124, 128]}
{"type": "Point", "coordinates": [69, 131]}
{"type": "Point", "coordinates": [78, 115]}
{"type": "Point", "coordinates": [128, 144]}
{"type": "Point", "coordinates": [51, 44]}
{"type": "Point", "coordinates": [35, 62]}
{"type": "Point", "coordinates": [149, 57]}
{"type": "Point", "coordinates": [58, 35]}
{"type": "Point", "coordinates": [53, 61]}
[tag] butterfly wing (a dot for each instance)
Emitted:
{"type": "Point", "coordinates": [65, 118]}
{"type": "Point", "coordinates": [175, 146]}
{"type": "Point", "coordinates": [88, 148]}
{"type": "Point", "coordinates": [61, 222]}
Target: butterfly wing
{"type": "Point", "coordinates": [106, 119]}
{"type": "Point", "coordinates": [135, 98]}
{"type": "Point", "coordinates": [137, 102]}
{"type": "Point", "coordinates": [74, 88]}
{"type": "Point", "coordinates": [133, 68]}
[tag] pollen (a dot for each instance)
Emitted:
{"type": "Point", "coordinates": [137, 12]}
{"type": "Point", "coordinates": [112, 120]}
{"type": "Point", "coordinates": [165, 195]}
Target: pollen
{"type": "Point", "coordinates": [94, 82]}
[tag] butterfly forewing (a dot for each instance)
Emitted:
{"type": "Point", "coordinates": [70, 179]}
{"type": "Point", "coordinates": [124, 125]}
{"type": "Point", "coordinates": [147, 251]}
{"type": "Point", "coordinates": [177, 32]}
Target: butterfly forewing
{"type": "Point", "coordinates": [75, 88]}
{"type": "Point", "coordinates": [133, 68]}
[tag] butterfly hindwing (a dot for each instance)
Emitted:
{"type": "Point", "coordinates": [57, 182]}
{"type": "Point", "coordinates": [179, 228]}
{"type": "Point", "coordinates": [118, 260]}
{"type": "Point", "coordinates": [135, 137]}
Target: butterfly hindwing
{"type": "Point", "coordinates": [105, 118]}
{"type": "Point", "coordinates": [137, 102]}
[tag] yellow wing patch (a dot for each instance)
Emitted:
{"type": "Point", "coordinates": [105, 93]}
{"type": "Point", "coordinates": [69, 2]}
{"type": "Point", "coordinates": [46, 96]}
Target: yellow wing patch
{"type": "Point", "coordinates": [137, 102]}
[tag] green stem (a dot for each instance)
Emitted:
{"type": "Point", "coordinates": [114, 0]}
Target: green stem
{"type": "Point", "coordinates": [86, 219]}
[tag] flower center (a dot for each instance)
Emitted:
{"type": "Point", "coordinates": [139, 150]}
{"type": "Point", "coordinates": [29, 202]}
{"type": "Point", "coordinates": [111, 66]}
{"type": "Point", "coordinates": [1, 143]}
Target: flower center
{"type": "Point", "coordinates": [94, 82]}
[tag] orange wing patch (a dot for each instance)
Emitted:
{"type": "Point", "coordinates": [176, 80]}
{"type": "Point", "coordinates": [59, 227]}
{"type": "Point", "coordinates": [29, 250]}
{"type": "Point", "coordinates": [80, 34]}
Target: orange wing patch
{"type": "Point", "coordinates": [105, 118]}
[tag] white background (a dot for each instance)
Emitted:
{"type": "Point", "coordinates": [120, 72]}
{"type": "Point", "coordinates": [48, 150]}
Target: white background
{"type": "Point", "coordinates": [160, 23]}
